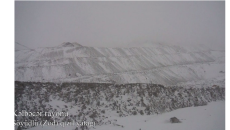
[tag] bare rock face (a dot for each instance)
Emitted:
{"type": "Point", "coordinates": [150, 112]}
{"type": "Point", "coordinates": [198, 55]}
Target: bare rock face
{"type": "Point", "coordinates": [174, 120]}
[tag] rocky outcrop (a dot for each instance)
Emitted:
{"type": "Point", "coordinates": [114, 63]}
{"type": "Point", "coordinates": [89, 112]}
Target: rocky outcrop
{"type": "Point", "coordinates": [99, 102]}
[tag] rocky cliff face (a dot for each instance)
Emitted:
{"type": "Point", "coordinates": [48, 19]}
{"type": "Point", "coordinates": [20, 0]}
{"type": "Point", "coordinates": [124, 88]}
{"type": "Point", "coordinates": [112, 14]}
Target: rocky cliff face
{"type": "Point", "coordinates": [161, 64]}
{"type": "Point", "coordinates": [102, 103]}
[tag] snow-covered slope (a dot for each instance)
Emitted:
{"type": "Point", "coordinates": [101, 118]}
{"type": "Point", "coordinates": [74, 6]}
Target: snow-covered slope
{"type": "Point", "coordinates": [210, 117]}
{"type": "Point", "coordinates": [160, 64]}
{"type": "Point", "coordinates": [104, 104]}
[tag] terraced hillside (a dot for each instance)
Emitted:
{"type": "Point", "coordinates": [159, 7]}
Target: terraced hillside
{"type": "Point", "coordinates": [161, 64]}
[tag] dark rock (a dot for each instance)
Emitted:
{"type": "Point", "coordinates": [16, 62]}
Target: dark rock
{"type": "Point", "coordinates": [174, 120]}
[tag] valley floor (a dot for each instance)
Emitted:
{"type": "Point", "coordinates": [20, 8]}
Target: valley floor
{"type": "Point", "coordinates": [209, 117]}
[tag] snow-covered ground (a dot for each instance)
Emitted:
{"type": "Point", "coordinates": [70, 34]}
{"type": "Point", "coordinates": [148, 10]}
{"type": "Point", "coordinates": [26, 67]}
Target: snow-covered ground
{"type": "Point", "coordinates": [209, 117]}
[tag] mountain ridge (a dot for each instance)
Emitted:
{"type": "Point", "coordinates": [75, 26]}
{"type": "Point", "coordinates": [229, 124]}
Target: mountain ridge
{"type": "Point", "coordinates": [73, 62]}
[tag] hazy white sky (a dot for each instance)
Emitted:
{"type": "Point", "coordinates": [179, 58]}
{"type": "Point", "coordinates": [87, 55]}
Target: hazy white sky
{"type": "Point", "coordinates": [46, 24]}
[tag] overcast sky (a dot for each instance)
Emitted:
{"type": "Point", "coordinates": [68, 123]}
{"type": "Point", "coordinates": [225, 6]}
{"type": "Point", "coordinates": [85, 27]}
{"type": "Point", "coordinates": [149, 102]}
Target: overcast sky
{"type": "Point", "coordinates": [110, 24]}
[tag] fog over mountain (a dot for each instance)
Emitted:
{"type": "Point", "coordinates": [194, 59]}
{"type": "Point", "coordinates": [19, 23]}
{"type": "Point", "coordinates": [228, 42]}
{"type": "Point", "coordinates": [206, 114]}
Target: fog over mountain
{"type": "Point", "coordinates": [120, 24]}
{"type": "Point", "coordinates": [120, 65]}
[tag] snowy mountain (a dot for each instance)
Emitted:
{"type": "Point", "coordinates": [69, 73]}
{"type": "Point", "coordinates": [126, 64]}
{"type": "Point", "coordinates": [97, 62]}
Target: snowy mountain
{"type": "Point", "coordinates": [157, 63]}
{"type": "Point", "coordinates": [118, 84]}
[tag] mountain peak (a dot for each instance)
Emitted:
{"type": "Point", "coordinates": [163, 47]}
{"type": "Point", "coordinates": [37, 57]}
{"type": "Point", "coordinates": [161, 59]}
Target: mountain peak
{"type": "Point", "coordinates": [71, 44]}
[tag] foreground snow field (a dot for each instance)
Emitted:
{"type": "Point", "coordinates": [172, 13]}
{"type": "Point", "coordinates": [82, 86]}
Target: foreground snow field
{"type": "Point", "coordinates": [209, 117]}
